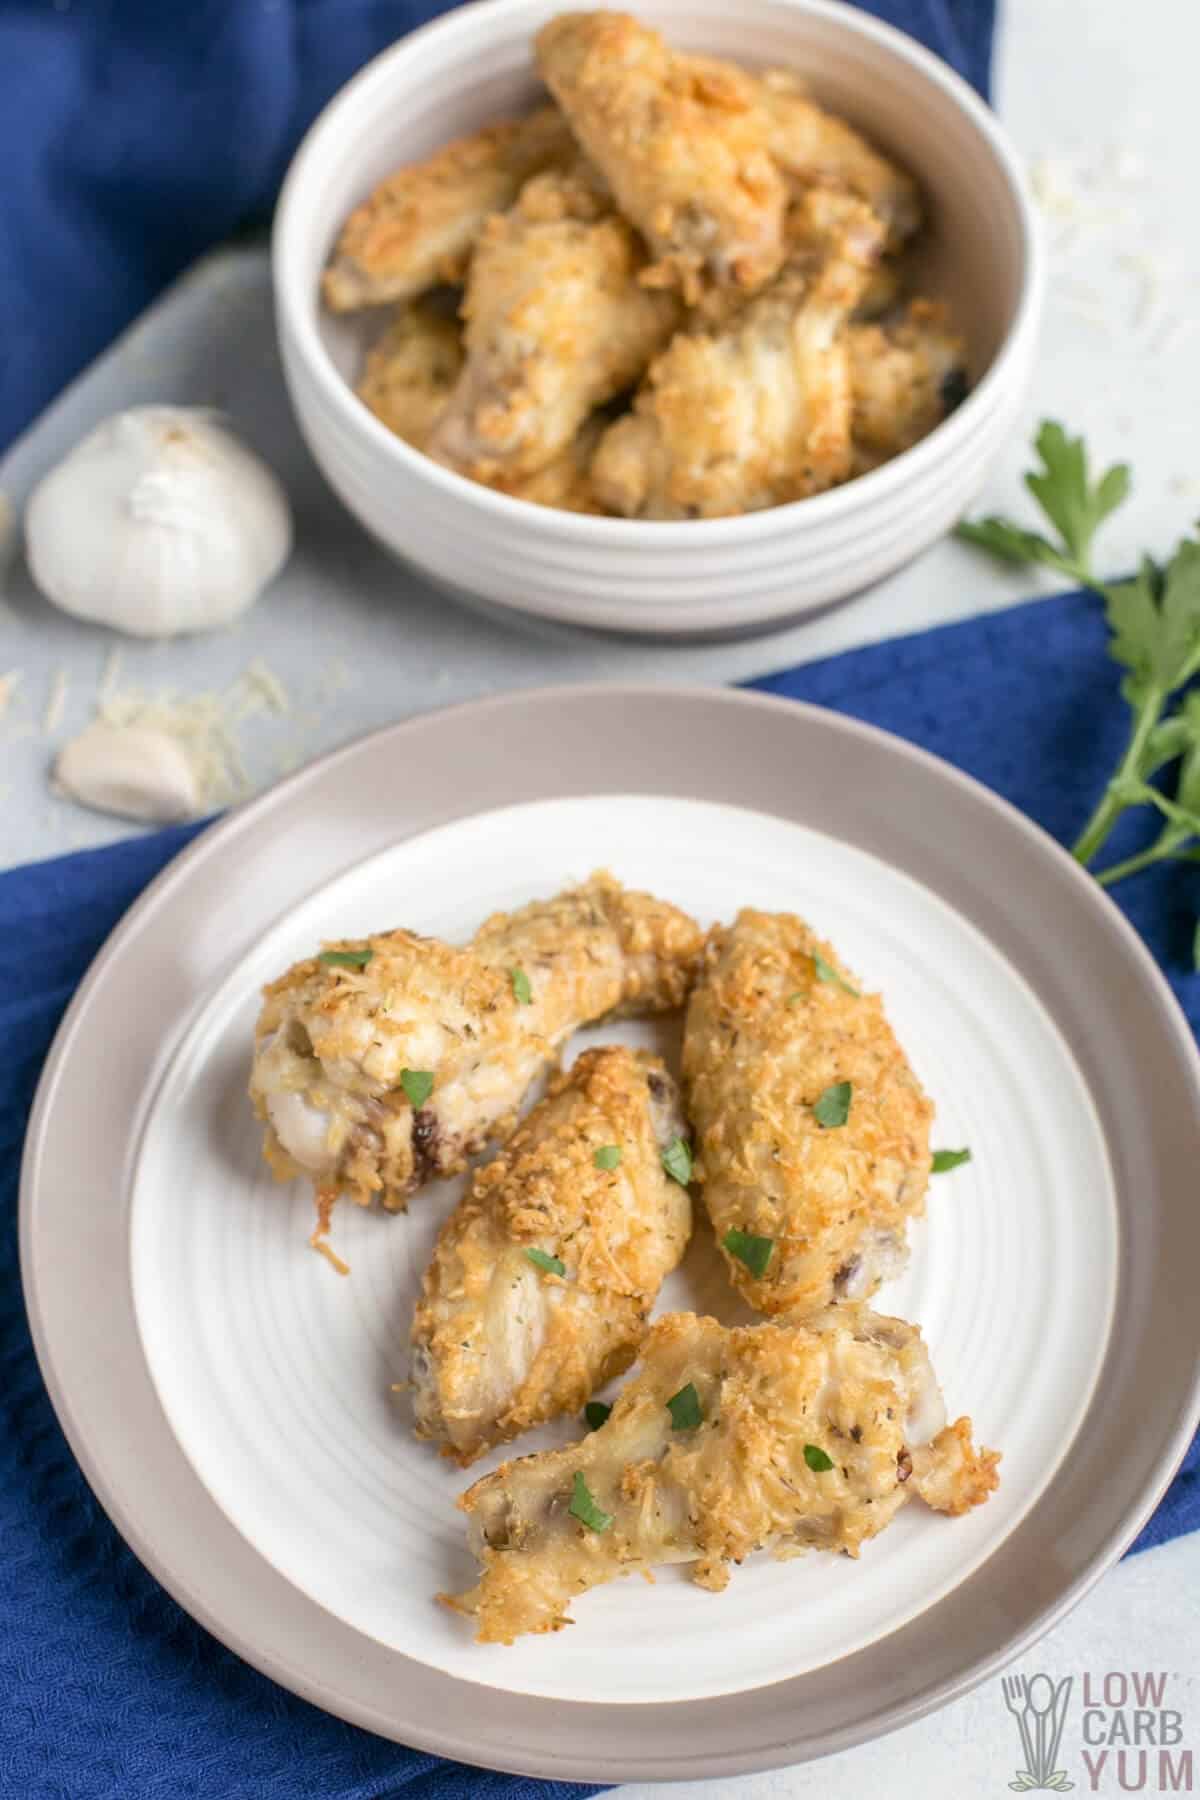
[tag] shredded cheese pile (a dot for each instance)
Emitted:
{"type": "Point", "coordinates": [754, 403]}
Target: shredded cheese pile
{"type": "Point", "coordinates": [204, 725]}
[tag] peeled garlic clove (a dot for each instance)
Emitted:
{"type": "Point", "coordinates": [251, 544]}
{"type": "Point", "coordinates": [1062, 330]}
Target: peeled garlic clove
{"type": "Point", "coordinates": [130, 770]}
{"type": "Point", "coordinates": [158, 522]}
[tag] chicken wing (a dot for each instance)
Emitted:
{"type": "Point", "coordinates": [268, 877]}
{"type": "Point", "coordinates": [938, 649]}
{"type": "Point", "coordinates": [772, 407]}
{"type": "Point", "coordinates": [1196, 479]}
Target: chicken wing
{"type": "Point", "coordinates": [386, 1062]}
{"type": "Point", "coordinates": [812, 1132]}
{"type": "Point", "coordinates": [557, 324]}
{"type": "Point", "coordinates": [684, 148]}
{"type": "Point", "coordinates": [815, 149]}
{"type": "Point", "coordinates": [410, 373]}
{"type": "Point", "coordinates": [906, 376]}
{"type": "Point", "coordinates": [543, 1278]}
{"type": "Point", "coordinates": [565, 481]}
{"type": "Point", "coordinates": [777, 1436]}
{"type": "Point", "coordinates": [757, 412]}
{"type": "Point", "coordinates": [419, 226]}
{"type": "Point", "coordinates": [407, 382]}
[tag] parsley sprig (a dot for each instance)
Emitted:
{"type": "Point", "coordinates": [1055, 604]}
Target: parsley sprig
{"type": "Point", "coordinates": [1155, 622]}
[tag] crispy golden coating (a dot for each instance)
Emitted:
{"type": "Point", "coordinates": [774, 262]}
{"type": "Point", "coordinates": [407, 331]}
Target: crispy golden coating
{"type": "Point", "coordinates": [758, 411]}
{"type": "Point", "coordinates": [409, 377]}
{"type": "Point", "coordinates": [907, 375]}
{"type": "Point", "coordinates": [765, 1038]}
{"type": "Point", "coordinates": [419, 226]}
{"type": "Point", "coordinates": [684, 147]}
{"type": "Point", "coordinates": [566, 480]}
{"type": "Point", "coordinates": [849, 1384]}
{"type": "Point", "coordinates": [814, 148]}
{"type": "Point", "coordinates": [410, 373]}
{"type": "Point", "coordinates": [557, 324]}
{"type": "Point", "coordinates": [333, 1043]}
{"type": "Point", "coordinates": [501, 1344]}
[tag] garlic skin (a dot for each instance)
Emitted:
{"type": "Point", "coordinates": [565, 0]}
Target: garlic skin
{"type": "Point", "coordinates": [131, 770]}
{"type": "Point", "coordinates": [157, 522]}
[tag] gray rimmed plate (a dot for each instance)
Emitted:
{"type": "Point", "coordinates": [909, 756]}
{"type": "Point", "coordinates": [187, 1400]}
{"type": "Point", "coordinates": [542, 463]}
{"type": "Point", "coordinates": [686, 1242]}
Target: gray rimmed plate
{"type": "Point", "coordinates": [229, 1398]}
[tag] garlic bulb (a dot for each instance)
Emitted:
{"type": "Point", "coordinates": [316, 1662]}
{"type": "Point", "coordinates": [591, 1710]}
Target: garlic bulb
{"type": "Point", "coordinates": [131, 770]}
{"type": "Point", "coordinates": [158, 522]}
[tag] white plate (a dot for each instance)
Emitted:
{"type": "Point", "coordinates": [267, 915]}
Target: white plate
{"type": "Point", "coordinates": [277, 1376]}
{"type": "Point", "coordinates": [228, 1395]}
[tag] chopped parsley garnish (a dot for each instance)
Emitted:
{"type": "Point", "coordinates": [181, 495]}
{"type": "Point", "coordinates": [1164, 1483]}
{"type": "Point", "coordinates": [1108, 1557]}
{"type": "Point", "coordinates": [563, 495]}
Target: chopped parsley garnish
{"type": "Point", "coordinates": [684, 1408]}
{"type": "Point", "coordinates": [551, 1265]}
{"type": "Point", "coordinates": [596, 1412]}
{"type": "Point", "coordinates": [608, 1156]}
{"type": "Point", "coordinates": [584, 1508]}
{"type": "Point", "coordinates": [795, 999]}
{"type": "Point", "coordinates": [754, 1251]}
{"type": "Point", "coordinates": [816, 1459]}
{"type": "Point", "coordinates": [827, 972]}
{"type": "Point", "coordinates": [521, 987]}
{"type": "Point", "coordinates": [677, 1161]}
{"type": "Point", "coordinates": [346, 959]}
{"type": "Point", "coordinates": [833, 1107]}
{"type": "Point", "coordinates": [945, 1160]}
{"type": "Point", "coordinates": [417, 1084]}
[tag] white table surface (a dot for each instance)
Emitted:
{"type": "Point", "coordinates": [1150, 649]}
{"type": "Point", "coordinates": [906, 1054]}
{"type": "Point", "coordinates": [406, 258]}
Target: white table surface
{"type": "Point", "coordinates": [1100, 96]}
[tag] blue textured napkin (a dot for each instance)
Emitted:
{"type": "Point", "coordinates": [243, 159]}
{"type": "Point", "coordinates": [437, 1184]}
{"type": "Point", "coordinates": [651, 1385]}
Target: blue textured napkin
{"type": "Point", "coordinates": [135, 134]}
{"type": "Point", "coordinates": [106, 1688]}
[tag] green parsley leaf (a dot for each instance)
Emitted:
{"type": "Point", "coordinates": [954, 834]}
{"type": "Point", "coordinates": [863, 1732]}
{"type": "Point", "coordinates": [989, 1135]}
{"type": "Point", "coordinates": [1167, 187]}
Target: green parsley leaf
{"type": "Point", "coordinates": [677, 1161]}
{"type": "Point", "coordinates": [945, 1160]}
{"type": "Point", "coordinates": [521, 987]}
{"type": "Point", "coordinates": [608, 1156]}
{"type": "Point", "coordinates": [596, 1412]}
{"type": "Point", "coordinates": [584, 1508]}
{"type": "Point", "coordinates": [345, 959]}
{"type": "Point", "coordinates": [1010, 543]}
{"type": "Point", "coordinates": [1155, 622]}
{"type": "Point", "coordinates": [833, 1107]}
{"type": "Point", "coordinates": [1066, 495]}
{"type": "Point", "coordinates": [754, 1251]}
{"type": "Point", "coordinates": [684, 1408]}
{"type": "Point", "coordinates": [552, 1265]}
{"type": "Point", "coordinates": [816, 1459]}
{"type": "Point", "coordinates": [827, 972]}
{"type": "Point", "coordinates": [1072, 503]}
{"type": "Point", "coordinates": [418, 1085]}
{"type": "Point", "coordinates": [795, 999]}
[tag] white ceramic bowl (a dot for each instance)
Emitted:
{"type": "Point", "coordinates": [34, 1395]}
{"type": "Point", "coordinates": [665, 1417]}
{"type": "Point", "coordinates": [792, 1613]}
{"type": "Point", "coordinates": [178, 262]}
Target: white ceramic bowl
{"type": "Point", "coordinates": [717, 575]}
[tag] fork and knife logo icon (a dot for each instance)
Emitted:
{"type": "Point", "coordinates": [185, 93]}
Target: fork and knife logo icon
{"type": "Point", "coordinates": [1040, 1709]}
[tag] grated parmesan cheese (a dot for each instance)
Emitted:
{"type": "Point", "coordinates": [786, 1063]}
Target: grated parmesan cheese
{"type": "Point", "coordinates": [204, 725]}
{"type": "Point", "coordinates": [264, 681]}
{"type": "Point", "coordinates": [56, 702]}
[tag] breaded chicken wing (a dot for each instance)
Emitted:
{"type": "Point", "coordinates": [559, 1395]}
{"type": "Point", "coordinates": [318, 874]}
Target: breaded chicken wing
{"type": "Point", "coordinates": [757, 412]}
{"type": "Point", "coordinates": [386, 1062]}
{"type": "Point", "coordinates": [814, 148]}
{"type": "Point", "coordinates": [543, 1277]}
{"type": "Point", "coordinates": [409, 377]}
{"type": "Point", "coordinates": [419, 226]}
{"type": "Point", "coordinates": [565, 481]}
{"type": "Point", "coordinates": [778, 1436]}
{"type": "Point", "coordinates": [411, 372]}
{"type": "Point", "coordinates": [812, 1132]}
{"type": "Point", "coordinates": [684, 148]}
{"type": "Point", "coordinates": [907, 375]}
{"type": "Point", "coordinates": [557, 324]}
